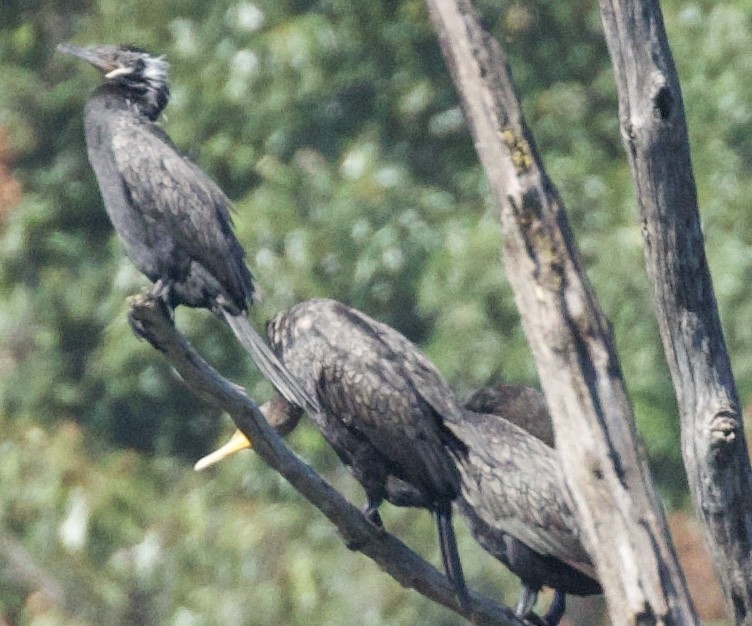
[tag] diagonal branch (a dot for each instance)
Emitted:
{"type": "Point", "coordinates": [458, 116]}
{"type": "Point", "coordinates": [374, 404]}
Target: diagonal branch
{"type": "Point", "coordinates": [72, 594]}
{"type": "Point", "coordinates": [654, 132]}
{"type": "Point", "coordinates": [150, 321]}
{"type": "Point", "coordinates": [19, 566]}
{"type": "Point", "coordinates": [617, 505]}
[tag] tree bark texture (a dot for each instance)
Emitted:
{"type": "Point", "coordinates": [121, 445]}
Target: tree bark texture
{"type": "Point", "coordinates": [654, 132]}
{"type": "Point", "coordinates": [150, 321]}
{"type": "Point", "coordinates": [621, 518]}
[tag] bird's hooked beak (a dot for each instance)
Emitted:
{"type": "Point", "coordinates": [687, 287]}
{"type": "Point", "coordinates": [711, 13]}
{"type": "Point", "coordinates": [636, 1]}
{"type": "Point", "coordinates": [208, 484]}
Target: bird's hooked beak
{"type": "Point", "coordinates": [100, 59]}
{"type": "Point", "coordinates": [237, 442]}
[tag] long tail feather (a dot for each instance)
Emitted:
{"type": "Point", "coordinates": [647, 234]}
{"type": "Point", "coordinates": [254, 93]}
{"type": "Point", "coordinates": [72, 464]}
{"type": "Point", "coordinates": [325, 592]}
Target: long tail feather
{"type": "Point", "coordinates": [450, 555]}
{"type": "Point", "coordinates": [271, 367]}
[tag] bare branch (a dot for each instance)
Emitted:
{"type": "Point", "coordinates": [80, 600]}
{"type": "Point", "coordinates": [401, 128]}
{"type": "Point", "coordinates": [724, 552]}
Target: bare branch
{"type": "Point", "coordinates": [618, 508]}
{"type": "Point", "coordinates": [150, 322]}
{"type": "Point", "coordinates": [18, 565]}
{"type": "Point", "coordinates": [655, 135]}
{"type": "Point", "coordinates": [72, 593]}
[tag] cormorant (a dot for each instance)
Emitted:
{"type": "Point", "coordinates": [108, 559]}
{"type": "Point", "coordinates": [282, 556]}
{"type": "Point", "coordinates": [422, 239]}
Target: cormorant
{"type": "Point", "coordinates": [513, 495]}
{"type": "Point", "coordinates": [518, 404]}
{"type": "Point", "coordinates": [384, 409]}
{"type": "Point", "coordinates": [514, 498]}
{"type": "Point", "coordinates": [172, 219]}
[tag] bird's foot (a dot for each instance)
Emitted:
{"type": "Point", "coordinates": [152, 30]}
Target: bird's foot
{"type": "Point", "coordinates": [534, 620]}
{"type": "Point", "coordinates": [141, 330]}
{"type": "Point", "coordinates": [162, 293]}
{"type": "Point", "coordinates": [371, 513]}
{"type": "Point", "coordinates": [355, 544]}
{"type": "Point", "coordinates": [144, 316]}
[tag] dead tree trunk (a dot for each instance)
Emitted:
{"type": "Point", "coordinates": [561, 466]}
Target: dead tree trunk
{"type": "Point", "coordinates": [621, 516]}
{"type": "Point", "coordinates": [654, 131]}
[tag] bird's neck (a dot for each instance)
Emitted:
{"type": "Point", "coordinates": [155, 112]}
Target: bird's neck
{"type": "Point", "coordinates": [147, 99]}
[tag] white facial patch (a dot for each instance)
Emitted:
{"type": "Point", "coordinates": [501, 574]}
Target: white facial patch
{"type": "Point", "coordinates": [155, 70]}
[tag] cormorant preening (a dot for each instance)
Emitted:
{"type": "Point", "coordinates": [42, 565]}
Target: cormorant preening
{"type": "Point", "coordinates": [173, 220]}
{"type": "Point", "coordinates": [514, 497]}
{"type": "Point", "coordinates": [384, 410]}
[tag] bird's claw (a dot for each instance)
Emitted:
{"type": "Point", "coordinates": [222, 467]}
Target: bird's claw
{"type": "Point", "coordinates": [355, 544]}
{"type": "Point", "coordinates": [162, 293]}
{"type": "Point", "coordinates": [534, 620]}
{"type": "Point", "coordinates": [371, 513]}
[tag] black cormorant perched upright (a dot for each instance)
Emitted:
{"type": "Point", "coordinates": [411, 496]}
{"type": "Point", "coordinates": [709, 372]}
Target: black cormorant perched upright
{"type": "Point", "coordinates": [173, 220]}
{"type": "Point", "coordinates": [514, 497]}
{"type": "Point", "coordinates": [384, 410]}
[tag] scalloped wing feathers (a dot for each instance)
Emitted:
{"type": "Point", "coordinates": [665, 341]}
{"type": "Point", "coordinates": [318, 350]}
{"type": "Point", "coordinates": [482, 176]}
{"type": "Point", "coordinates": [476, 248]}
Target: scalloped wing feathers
{"type": "Point", "coordinates": [166, 187]}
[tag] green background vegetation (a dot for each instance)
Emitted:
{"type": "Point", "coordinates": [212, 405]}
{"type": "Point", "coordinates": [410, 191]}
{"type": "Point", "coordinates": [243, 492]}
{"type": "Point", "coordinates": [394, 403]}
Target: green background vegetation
{"type": "Point", "coordinates": [335, 129]}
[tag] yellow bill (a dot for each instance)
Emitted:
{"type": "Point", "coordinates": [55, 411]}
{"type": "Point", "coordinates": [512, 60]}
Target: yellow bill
{"type": "Point", "coordinates": [237, 442]}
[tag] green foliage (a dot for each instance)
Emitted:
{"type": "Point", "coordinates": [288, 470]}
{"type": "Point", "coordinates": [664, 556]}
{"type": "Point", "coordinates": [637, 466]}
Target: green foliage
{"type": "Point", "coordinates": [134, 539]}
{"type": "Point", "coordinates": [319, 127]}
{"type": "Point", "coordinates": [334, 127]}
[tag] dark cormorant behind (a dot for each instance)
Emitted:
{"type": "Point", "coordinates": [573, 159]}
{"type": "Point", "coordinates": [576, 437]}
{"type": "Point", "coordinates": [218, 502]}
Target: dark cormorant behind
{"type": "Point", "coordinates": [514, 497]}
{"type": "Point", "coordinates": [368, 378]}
{"type": "Point", "coordinates": [518, 404]}
{"type": "Point", "coordinates": [384, 410]}
{"type": "Point", "coordinates": [173, 220]}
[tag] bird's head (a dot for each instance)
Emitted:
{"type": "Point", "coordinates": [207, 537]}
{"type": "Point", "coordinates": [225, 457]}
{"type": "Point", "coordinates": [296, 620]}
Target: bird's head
{"type": "Point", "coordinates": [141, 76]}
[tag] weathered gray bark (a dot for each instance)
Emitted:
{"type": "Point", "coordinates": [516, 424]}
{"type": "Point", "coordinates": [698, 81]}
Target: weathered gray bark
{"type": "Point", "coordinates": [149, 320]}
{"type": "Point", "coordinates": [654, 131]}
{"type": "Point", "coordinates": [621, 517]}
